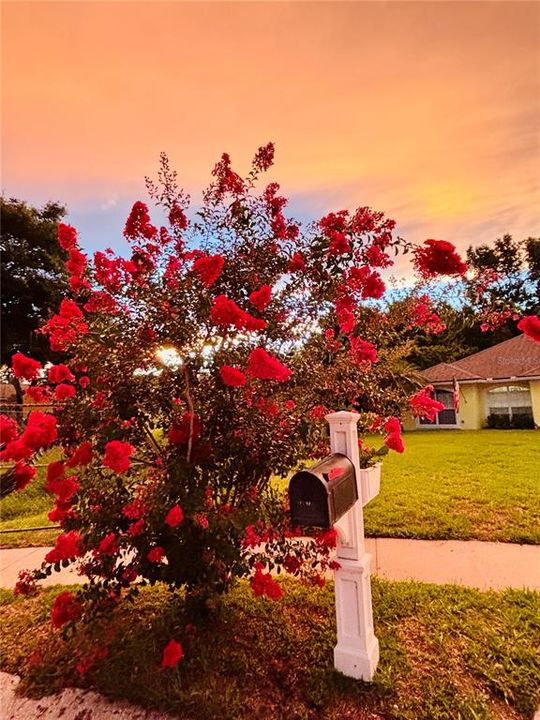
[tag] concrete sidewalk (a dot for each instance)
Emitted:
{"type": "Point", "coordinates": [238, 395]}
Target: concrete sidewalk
{"type": "Point", "coordinates": [70, 704]}
{"type": "Point", "coordinates": [483, 565]}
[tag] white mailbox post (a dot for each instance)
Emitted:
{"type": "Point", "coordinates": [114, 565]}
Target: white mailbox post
{"type": "Point", "coordinates": [357, 651]}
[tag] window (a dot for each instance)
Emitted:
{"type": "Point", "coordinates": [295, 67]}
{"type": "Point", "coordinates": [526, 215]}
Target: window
{"type": "Point", "coordinates": [509, 400]}
{"type": "Point", "coordinates": [444, 417]}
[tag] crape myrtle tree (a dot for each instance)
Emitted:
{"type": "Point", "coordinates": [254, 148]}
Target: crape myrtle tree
{"type": "Point", "coordinates": [200, 367]}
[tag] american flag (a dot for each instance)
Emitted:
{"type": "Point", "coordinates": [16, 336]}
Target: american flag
{"type": "Point", "coordinates": [456, 394]}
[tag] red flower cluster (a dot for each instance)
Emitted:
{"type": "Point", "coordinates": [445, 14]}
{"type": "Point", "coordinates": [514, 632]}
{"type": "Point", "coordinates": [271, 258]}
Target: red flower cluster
{"type": "Point", "coordinates": [172, 654]}
{"type": "Point", "coordinates": [81, 455]}
{"type": "Point", "coordinates": [261, 298]}
{"type": "Point", "coordinates": [64, 392]}
{"type": "Point", "coordinates": [438, 257]}
{"type": "Point", "coordinates": [67, 237]}
{"type": "Point", "coordinates": [297, 263]}
{"type": "Point", "coordinates": [175, 516]}
{"type": "Point", "coordinates": [394, 441]}
{"type": "Point", "coordinates": [177, 217]}
{"type": "Point", "coordinates": [26, 584]}
{"type": "Point", "coordinates": [8, 429]}
{"type": "Point", "coordinates": [264, 584]}
{"type": "Point", "coordinates": [60, 373]}
{"type": "Point", "coordinates": [530, 325]}
{"type": "Point", "coordinates": [264, 366]}
{"type": "Point", "coordinates": [40, 430]}
{"type": "Point", "coordinates": [365, 281]}
{"type": "Point", "coordinates": [108, 545]}
{"type": "Point", "coordinates": [362, 350]}
{"type": "Point", "coordinates": [424, 405]}
{"type": "Point", "coordinates": [423, 316]}
{"type": "Point", "coordinates": [227, 312]}
{"type": "Point", "coordinates": [23, 475]}
{"type": "Point", "coordinates": [24, 367]}
{"type": "Point", "coordinates": [208, 268]}
{"type": "Point", "coordinates": [63, 487]}
{"type": "Point", "coordinates": [227, 181]}
{"type": "Point", "coordinates": [264, 158]}
{"type": "Point", "coordinates": [232, 376]}
{"type": "Point", "coordinates": [138, 224]}
{"type": "Point", "coordinates": [64, 329]}
{"type": "Point", "coordinates": [66, 608]}
{"type": "Point", "coordinates": [66, 547]}
{"type": "Point", "coordinates": [179, 431]}
{"type": "Point", "coordinates": [118, 455]}
{"type": "Point", "coordinates": [156, 554]}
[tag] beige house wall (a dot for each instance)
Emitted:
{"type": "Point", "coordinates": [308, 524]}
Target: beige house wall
{"type": "Point", "coordinates": [535, 400]}
{"type": "Point", "coordinates": [472, 406]}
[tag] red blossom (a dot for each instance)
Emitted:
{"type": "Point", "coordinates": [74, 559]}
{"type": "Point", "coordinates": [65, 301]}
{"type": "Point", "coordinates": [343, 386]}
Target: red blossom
{"type": "Point", "coordinates": [363, 350]}
{"type": "Point", "coordinates": [16, 450]}
{"type": "Point", "coordinates": [108, 545]}
{"type": "Point", "coordinates": [64, 392]}
{"type": "Point", "coordinates": [40, 395]}
{"type": "Point", "coordinates": [226, 312]}
{"type": "Point", "coordinates": [177, 217]}
{"type": "Point", "coordinates": [424, 405]}
{"type": "Point", "coordinates": [118, 455]}
{"type": "Point", "coordinates": [23, 475]}
{"type": "Point", "coordinates": [264, 157]}
{"type": "Point", "coordinates": [208, 268]}
{"type": "Point", "coordinates": [179, 431]}
{"type": "Point", "coordinates": [392, 425]}
{"type": "Point", "coordinates": [530, 325]}
{"type": "Point", "coordinates": [59, 374]}
{"type": "Point", "coordinates": [263, 584]}
{"type": "Point", "coordinates": [297, 263]}
{"type": "Point", "coordinates": [102, 302]}
{"type": "Point", "coordinates": [138, 224]}
{"type": "Point", "coordinates": [26, 584]}
{"type": "Point", "coordinates": [264, 366]}
{"type": "Point", "coordinates": [438, 257]}
{"type": "Point", "coordinates": [261, 298]}
{"type": "Point", "coordinates": [172, 654]}
{"type": "Point", "coordinates": [395, 442]}
{"type": "Point", "coordinates": [65, 328]}
{"type": "Point", "coordinates": [227, 181]}
{"type": "Point", "coordinates": [156, 554]}
{"type": "Point", "coordinates": [174, 516]}
{"type": "Point", "coordinates": [81, 455]}
{"type": "Point", "coordinates": [67, 236]}
{"type": "Point", "coordinates": [66, 608]}
{"type": "Point", "coordinates": [327, 538]}
{"type": "Point", "coordinates": [67, 547]}
{"type": "Point", "coordinates": [40, 430]}
{"type": "Point", "coordinates": [232, 376]}
{"type": "Point", "coordinates": [25, 367]}
{"type": "Point", "coordinates": [8, 429]}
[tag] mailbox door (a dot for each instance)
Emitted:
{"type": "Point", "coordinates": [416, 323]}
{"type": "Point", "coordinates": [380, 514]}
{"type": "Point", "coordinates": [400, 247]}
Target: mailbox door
{"type": "Point", "coordinates": [309, 501]}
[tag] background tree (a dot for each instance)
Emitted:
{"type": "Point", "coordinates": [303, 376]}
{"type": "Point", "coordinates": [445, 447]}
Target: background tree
{"type": "Point", "coordinates": [33, 275]}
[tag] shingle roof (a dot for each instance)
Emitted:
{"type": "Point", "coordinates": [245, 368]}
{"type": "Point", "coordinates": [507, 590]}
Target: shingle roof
{"type": "Point", "coordinates": [518, 357]}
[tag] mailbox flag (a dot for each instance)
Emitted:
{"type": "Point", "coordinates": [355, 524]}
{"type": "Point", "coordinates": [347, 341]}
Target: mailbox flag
{"type": "Point", "coordinates": [456, 394]}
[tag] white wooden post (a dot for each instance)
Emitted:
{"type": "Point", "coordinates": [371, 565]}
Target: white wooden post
{"type": "Point", "coordinates": [357, 651]}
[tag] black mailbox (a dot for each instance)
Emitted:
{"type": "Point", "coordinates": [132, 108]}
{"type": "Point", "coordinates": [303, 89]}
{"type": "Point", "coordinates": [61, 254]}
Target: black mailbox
{"type": "Point", "coordinates": [320, 495]}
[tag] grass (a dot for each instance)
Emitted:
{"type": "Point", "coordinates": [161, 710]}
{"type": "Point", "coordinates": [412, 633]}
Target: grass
{"type": "Point", "coordinates": [447, 653]}
{"type": "Point", "coordinates": [460, 485]}
{"type": "Point", "coordinates": [465, 485]}
{"type": "Point", "coordinates": [28, 508]}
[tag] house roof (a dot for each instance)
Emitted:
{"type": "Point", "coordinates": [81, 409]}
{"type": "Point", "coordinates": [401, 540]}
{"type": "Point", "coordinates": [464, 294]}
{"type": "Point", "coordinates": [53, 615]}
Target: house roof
{"type": "Point", "coordinates": [518, 357]}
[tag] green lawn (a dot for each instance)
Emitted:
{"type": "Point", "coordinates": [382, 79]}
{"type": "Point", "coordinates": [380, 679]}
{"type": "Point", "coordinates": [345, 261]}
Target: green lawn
{"type": "Point", "coordinates": [28, 508]}
{"type": "Point", "coordinates": [481, 484]}
{"type": "Point", "coordinates": [447, 653]}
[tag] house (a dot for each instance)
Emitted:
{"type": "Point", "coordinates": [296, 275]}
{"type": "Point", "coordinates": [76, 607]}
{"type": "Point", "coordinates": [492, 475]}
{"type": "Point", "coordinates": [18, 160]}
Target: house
{"type": "Point", "coordinates": [501, 384]}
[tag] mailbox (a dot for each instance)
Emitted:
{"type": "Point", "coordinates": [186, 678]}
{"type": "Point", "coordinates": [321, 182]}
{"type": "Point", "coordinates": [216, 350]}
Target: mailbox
{"type": "Point", "coordinates": [321, 494]}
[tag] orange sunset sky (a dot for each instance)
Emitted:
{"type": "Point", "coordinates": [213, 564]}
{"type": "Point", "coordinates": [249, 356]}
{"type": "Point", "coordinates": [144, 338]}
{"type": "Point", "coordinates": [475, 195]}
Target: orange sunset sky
{"type": "Point", "coordinates": [429, 111]}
